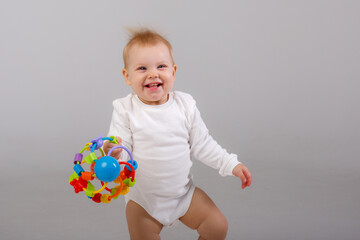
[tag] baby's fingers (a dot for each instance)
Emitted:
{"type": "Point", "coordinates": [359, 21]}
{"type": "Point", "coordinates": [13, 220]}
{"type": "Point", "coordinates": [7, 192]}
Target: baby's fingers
{"type": "Point", "coordinates": [116, 152]}
{"type": "Point", "coordinates": [119, 140]}
{"type": "Point", "coordinates": [248, 177]}
{"type": "Point", "coordinates": [242, 178]}
{"type": "Point", "coordinates": [244, 182]}
{"type": "Point", "coordinates": [108, 146]}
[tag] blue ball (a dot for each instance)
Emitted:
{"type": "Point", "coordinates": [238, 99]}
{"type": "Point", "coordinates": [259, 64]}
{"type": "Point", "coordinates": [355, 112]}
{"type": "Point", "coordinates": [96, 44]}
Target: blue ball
{"type": "Point", "coordinates": [107, 169]}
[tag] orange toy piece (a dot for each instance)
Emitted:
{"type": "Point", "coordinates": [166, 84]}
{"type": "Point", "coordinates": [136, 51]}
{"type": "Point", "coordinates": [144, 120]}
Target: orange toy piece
{"type": "Point", "coordinates": [87, 176]}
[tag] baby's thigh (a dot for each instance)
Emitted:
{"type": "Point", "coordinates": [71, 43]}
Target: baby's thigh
{"type": "Point", "coordinates": [203, 213]}
{"type": "Point", "coordinates": [141, 225]}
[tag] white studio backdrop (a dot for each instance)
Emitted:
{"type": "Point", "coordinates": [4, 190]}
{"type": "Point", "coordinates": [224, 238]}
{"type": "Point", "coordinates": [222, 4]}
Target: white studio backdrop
{"type": "Point", "coordinates": [277, 82]}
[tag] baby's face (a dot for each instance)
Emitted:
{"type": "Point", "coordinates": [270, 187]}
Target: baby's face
{"type": "Point", "coordinates": [150, 73]}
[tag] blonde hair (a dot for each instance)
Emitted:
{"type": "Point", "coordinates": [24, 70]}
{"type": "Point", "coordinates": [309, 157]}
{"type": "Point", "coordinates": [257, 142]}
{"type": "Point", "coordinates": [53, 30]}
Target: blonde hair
{"type": "Point", "coordinates": [144, 37]}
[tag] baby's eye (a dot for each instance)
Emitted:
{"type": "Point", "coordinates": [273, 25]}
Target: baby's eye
{"type": "Point", "coordinates": [162, 66]}
{"type": "Point", "coordinates": [141, 68]}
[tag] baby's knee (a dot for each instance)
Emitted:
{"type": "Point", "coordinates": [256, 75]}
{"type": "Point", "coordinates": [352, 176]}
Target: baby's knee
{"type": "Point", "coordinates": [221, 225]}
{"type": "Point", "coordinates": [215, 226]}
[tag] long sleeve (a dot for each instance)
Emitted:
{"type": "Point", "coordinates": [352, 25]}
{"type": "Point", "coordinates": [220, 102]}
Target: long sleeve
{"type": "Point", "coordinates": [120, 127]}
{"type": "Point", "coordinates": [205, 149]}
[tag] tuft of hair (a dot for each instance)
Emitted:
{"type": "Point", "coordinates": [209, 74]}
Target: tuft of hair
{"type": "Point", "coordinates": [144, 37]}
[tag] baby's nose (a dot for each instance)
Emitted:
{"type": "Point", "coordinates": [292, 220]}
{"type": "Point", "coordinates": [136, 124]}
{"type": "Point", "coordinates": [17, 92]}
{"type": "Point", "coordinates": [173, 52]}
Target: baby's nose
{"type": "Point", "coordinates": [153, 74]}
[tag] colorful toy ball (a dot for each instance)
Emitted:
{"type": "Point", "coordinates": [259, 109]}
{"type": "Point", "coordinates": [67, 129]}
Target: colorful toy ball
{"type": "Point", "coordinates": [106, 169]}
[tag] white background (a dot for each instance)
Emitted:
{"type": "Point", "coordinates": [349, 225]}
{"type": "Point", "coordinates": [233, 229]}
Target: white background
{"type": "Point", "coordinates": [277, 82]}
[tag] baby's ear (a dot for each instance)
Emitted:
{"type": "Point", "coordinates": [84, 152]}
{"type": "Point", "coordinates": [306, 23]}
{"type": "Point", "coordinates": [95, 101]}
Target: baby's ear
{"type": "Point", "coordinates": [126, 76]}
{"type": "Point", "coordinates": [174, 69]}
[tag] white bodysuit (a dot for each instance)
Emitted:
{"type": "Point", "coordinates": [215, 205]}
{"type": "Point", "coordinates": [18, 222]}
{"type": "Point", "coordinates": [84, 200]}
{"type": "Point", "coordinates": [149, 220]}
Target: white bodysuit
{"type": "Point", "coordinates": [163, 139]}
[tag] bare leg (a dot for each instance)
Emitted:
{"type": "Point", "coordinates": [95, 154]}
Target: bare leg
{"type": "Point", "coordinates": [205, 217]}
{"type": "Point", "coordinates": [141, 225]}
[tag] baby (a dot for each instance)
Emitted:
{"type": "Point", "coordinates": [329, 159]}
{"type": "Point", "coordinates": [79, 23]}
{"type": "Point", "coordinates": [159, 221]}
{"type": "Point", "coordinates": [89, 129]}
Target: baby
{"type": "Point", "coordinates": [163, 129]}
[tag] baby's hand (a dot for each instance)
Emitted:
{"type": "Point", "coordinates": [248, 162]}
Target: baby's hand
{"type": "Point", "coordinates": [117, 152]}
{"type": "Point", "coordinates": [242, 172]}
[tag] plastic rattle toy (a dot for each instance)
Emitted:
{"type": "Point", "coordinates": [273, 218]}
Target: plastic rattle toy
{"type": "Point", "coordinates": [104, 168]}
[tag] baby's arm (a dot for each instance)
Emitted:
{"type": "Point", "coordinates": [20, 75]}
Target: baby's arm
{"type": "Point", "coordinates": [242, 172]}
{"type": "Point", "coordinates": [208, 151]}
{"type": "Point", "coordinates": [205, 149]}
{"type": "Point", "coordinates": [119, 126]}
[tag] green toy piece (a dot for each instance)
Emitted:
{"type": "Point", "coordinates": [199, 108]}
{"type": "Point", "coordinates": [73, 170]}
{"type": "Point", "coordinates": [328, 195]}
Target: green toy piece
{"type": "Point", "coordinates": [89, 159]}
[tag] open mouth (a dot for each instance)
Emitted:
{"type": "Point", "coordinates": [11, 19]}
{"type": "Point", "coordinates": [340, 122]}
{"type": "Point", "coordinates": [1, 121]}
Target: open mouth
{"type": "Point", "coordinates": [153, 85]}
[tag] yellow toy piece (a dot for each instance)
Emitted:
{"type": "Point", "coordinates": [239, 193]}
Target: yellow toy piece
{"type": "Point", "coordinates": [105, 198]}
{"type": "Point", "coordinates": [125, 190]}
